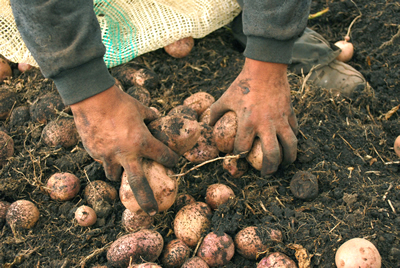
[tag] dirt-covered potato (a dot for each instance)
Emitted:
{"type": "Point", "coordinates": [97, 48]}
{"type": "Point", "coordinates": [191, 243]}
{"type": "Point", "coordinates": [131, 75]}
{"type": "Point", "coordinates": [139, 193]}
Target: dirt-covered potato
{"type": "Point", "coordinates": [181, 48]}
{"type": "Point", "coordinates": [191, 222]}
{"type": "Point", "coordinates": [180, 133]}
{"type": "Point", "coordinates": [22, 214]}
{"type": "Point", "coordinates": [397, 146]}
{"type": "Point", "coordinates": [140, 93]}
{"type": "Point", "coordinates": [130, 74]}
{"type": "Point", "coordinates": [85, 216]}
{"type": "Point", "coordinates": [6, 147]}
{"type": "Point", "coordinates": [7, 100]}
{"type": "Point", "coordinates": [236, 167]}
{"type": "Point", "coordinates": [60, 132]}
{"type": "Point", "coordinates": [224, 132]}
{"type": "Point", "coordinates": [134, 221]}
{"type": "Point", "coordinates": [252, 240]}
{"type": "Point", "coordinates": [142, 245]}
{"type": "Point", "coordinates": [145, 265]}
{"type": "Point", "coordinates": [5, 70]}
{"type": "Point", "coordinates": [195, 262]}
{"type": "Point", "coordinates": [205, 116]}
{"type": "Point", "coordinates": [99, 190]}
{"type": "Point", "coordinates": [218, 194]}
{"type": "Point", "coordinates": [358, 252]}
{"type": "Point", "coordinates": [19, 116]}
{"type": "Point", "coordinates": [4, 205]}
{"type": "Point", "coordinates": [45, 108]}
{"type": "Point", "coordinates": [165, 188]}
{"type": "Point", "coordinates": [276, 260]}
{"type": "Point", "coordinates": [175, 253]}
{"type": "Point", "coordinates": [199, 101]}
{"type": "Point", "coordinates": [304, 185]}
{"type": "Point", "coordinates": [216, 249]}
{"type": "Point", "coordinates": [205, 148]}
{"type": "Point", "coordinates": [185, 111]}
{"type": "Point", "coordinates": [63, 186]}
{"type": "Point", "coordinates": [183, 200]}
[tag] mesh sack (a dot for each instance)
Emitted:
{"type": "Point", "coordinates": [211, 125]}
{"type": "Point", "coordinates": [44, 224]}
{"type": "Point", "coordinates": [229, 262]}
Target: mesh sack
{"type": "Point", "coordinates": [133, 27]}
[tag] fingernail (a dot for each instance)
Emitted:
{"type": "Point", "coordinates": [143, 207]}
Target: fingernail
{"type": "Point", "coordinates": [152, 212]}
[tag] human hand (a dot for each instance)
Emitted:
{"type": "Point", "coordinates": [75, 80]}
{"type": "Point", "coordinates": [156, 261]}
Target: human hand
{"type": "Point", "coordinates": [260, 97]}
{"type": "Point", "coordinates": [112, 128]}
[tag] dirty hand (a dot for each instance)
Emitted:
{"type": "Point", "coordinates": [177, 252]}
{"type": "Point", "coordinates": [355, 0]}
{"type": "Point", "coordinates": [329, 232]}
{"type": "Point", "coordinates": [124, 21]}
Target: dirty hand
{"type": "Point", "coordinates": [260, 96]}
{"type": "Point", "coordinates": [112, 129]}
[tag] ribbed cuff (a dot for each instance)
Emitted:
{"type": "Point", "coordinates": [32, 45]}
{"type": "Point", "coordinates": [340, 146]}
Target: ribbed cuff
{"type": "Point", "coordinates": [77, 84]}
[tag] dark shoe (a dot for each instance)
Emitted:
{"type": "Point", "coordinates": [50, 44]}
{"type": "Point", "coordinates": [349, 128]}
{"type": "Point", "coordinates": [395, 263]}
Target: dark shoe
{"type": "Point", "coordinates": [339, 77]}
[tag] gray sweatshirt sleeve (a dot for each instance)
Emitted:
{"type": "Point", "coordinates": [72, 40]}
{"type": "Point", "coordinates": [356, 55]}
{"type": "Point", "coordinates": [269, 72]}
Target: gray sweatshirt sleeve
{"type": "Point", "coordinates": [272, 26]}
{"type": "Point", "coordinates": [65, 40]}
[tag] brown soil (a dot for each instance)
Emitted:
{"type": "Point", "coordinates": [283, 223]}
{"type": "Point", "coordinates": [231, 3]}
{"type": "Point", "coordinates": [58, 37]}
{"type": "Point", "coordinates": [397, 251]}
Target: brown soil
{"type": "Point", "coordinates": [347, 144]}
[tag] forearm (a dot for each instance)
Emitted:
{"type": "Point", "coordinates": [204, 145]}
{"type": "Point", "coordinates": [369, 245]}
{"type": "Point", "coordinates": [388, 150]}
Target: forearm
{"type": "Point", "coordinates": [64, 38]}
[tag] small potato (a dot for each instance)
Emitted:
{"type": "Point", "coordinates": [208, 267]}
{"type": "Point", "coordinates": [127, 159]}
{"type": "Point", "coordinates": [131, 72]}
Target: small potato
{"type": "Point", "coordinates": [164, 188]}
{"type": "Point", "coordinates": [8, 98]}
{"type": "Point", "coordinates": [252, 240]}
{"type": "Point", "coordinates": [255, 156]}
{"type": "Point", "coordinates": [304, 185]}
{"type": "Point", "coordinates": [176, 131]}
{"type": "Point", "coordinates": [60, 132]}
{"type": "Point", "coordinates": [4, 205]}
{"type": "Point", "coordinates": [85, 216]}
{"type": "Point", "coordinates": [63, 186]}
{"type": "Point", "coordinates": [145, 265]}
{"type": "Point", "coordinates": [19, 116]}
{"type": "Point", "coordinates": [23, 67]}
{"type": "Point", "coordinates": [397, 146]}
{"type": "Point", "coordinates": [195, 262]}
{"type": "Point", "coordinates": [6, 147]}
{"type": "Point", "coordinates": [144, 244]}
{"type": "Point", "coordinates": [5, 70]}
{"type": "Point", "coordinates": [184, 110]}
{"type": "Point", "coordinates": [183, 200]}
{"type": "Point", "coordinates": [199, 101]}
{"type": "Point", "coordinates": [347, 50]}
{"type": "Point", "coordinates": [140, 93]}
{"type": "Point", "coordinates": [181, 48]}
{"type": "Point", "coordinates": [134, 221]}
{"type": "Point", "coordinates": [22, 214]}
{"type": "Point", "coordinates": [236, 167]}
{"type": "Point", "coordinates": [276, 260]}
{"type": "Point", "coordinates": [216, 249]}
{"type": "Point", "coordinates": [218, 194]}
{"type": "Point", "coordinates": [175, 253]}
{"type": "Point", "coordinates": [45, 108]}
{"type": "Point", "coordinates": [358, 253]}
{"type": "Point", "coordinates": [191, 222]}
{"type": "Point", "coordinates": [99, 190]}
{"type": "Point", "coordinates": [224, 132]}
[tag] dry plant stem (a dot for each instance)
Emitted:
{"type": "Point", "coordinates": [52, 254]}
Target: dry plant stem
{"type": "Point", "coordinates": [318, 14]}
{"type": "Point", "coordinates": [94, 254]}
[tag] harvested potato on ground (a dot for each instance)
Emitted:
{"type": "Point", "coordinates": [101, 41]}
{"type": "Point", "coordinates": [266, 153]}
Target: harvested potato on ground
{"type": "Point", "coordinates": [98, 190]}
{"type": "Point", "coordinates": [255, 156]}
{"type": "Point", "coordinates": [218, 194]}
{"type": "Point", "coordinates": [216, 249]}
{"type": "Point", "coordinates": [185, 111]}
{"type": "Point", "coordinates": [347, 50]}
{"type": "Point", "coordinates": [134, 221]}
{"type": "Point", "coordinates": [176, 131]}
{"type": "Point", "coordinates": [205, 116]}
{"type": "Point", "coordinates": [144, 244]}
{"type": "Point", "coordinates": [45, 108]}
{"type": "Point", "coordinates": [397, 146]}
{"type": "Point", "coordinates": [7, 101]}
{"type": "Point", "coordinates": [22, 214]}
{"type": "Point", "coordinates": [224, 132]}
{"type": "Point", "coordinates": [236, 167]}
{"type": "Point", "coordinates": [63, 186]}
{"type": "Point", "coordinates": [130, 74]}
{"type": "Point", "coordinates": [23, 67]}
{"type": "Point", "coordinates": [304, 185]}
{"type": "Point", "coordinates": [181, 48]}
{"type": "Point", "coordinates": [140, 93]}
{"type": "Point", "coordinates": [358, 253]}
{"type": "Point", "coordinates": [5, 70]}
{"type": "Point", "coordinates": [175, 253]}
{"type": "Point", "coordinates": [60, 132]}
{"type": "Point", "coordinates": [4, 205]}
{"type": "Point", "coordinates": [276, 260]}
{"type": "Point", "coordinates": [165, 188]}
{"type": "Point", "coordinates": [145, 265]}
{"type": "Point", "coordinates": [205, 148]}
{"type": "Point", "coordinates": [199, 101]}
{"type": "Point", "coordinates": [6, 147]}
{"type": "Point", "coordinates": [183, 200]}
{"type": "Point", "coordinates": [252, 240]}
{"type": "Point", "coordinates": [85, 216]}
{"type": "Point", "coordinates": [19, 116]}
{"type": "Point", "coordinates": [195, 262]}
{"type": "Point", "coordinates": [191, 222]}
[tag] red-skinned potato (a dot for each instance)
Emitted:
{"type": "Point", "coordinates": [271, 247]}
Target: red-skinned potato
{"type": "Point", "coordinates": [218, 194]}
{"type": "Point", "coordinates": [134, 221]}
{"type": "Point", "coordinates": [175, 253]}
{"type": "Point", "coordinates": [85, 216]}
{"type": "Point", "coordinates": [60, 132]}
{"type": "Point", "coordinates": [181, 48]}
{"type": "Point", "coordinates": [5, 70]}
{"type": "Point", "coordinates": [145, 265]}
{"type": "Point", "coordinates": [63, 186]}
{"type": "Point", "coordinates": [195, 262]}
{"type": "Point", "coordinates": [22, 214]}
{"type": "Point", "coordinates": [133, 248]}
{"type": "Point", "coordinates": [205, 116]}
{"type": "Point", "coordinates": [6, 147]}
{"type": "Point", "coordinates": [236, 167]}
{"type": "Point", "coordinates": [185, 111]}
{"type": "Point", "coordinates": [252, 240]}
{"type": "Point", "coordinates": [397, 146]}
{"type": "Point", "coordinates": [191, 222]}
{"type": "Point", "coordinates": [347, 50]}
{"type": "Point", "coordinates": [276, 260]}
{"type": "Point", "coordinates": [224, 132]}
{"type": "Point", "coordinates": [165, 188]}
{"type": "Point", "coordinates": [357, 253]}
{"type": "Point", "coordinates": [199, 101]}
{"type": "Point", "coordinates": [216, 249]}
{"type": "Point", "coordinates": [23, 67]}
{"type": "Point", "coordinates": [183, 200]}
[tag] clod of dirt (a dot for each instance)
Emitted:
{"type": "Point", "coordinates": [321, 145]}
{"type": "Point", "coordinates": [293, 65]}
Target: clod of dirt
{"type": "Point", "coordinates": [19, 116]}
{"type": "Point", "coordinates": [304, 185]}
{"type": "Point", "coordinates": [7, 102]}
{"type": "Point", "coordinates": [6, 147]}
{"type": "Point", "coordinates": [45, 108]}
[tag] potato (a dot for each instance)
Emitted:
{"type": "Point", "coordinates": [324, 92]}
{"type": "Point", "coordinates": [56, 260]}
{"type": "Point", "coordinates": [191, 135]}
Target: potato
{"type": "Point", "coordinates": [5, 70]}
{"type": "Point", "coordinates": [181, 48]}
{"type": "Point", "coordinates": [183, 200]}
{"type": "Point", "coordinates": [176, 131]}
{"type": "Point", "coordinates": [23, 67]}
{"type": "Point", "coordinates": [397, 146]}
{"type": "Point", "coordinates": [218, 194]}
{"type": "Point", "coordinates": [134, 221]}
{"type": "Point", "coordinates": [304, 185]}
{"type": "Point", "coordinates": [85, 216]}
{"type": "Point", "coordinates": [195, 262]}
{"type": "Point", "coordinates": [19, 116]}
{"type": "Point", "coordinates": [63, 186]}
{"type": "Point", "coordinates": [98, 190]}
{"type": "Point", "coordinates": [45, 108]}
{"type": "Point", "coordinates": [6, 148]}
{"type": "Point", "coordinates": [236, 167]}
{"type": "Point", "coordinates": [205, 116]}
{"type": "Point", "coordinates": [145, 265]}
{"type": "Point", "coordinates": [357, 253]}
{"type": "Point", "coordinates": [252, 240]}
{"type": "Point", "coordinates": [144, 244]}
{"type": "Point", "coordinates": [205, 148]}
{"type": "Point", "coordinates": [60, 132]}
{"type": "Point", "coordinates": [216, 249]}
{"type": "Point", "coordinates": [347, 50]}
{"type": "Point", "coordinates": [224, 132]}
{"type": "Point", "coordinates": [276, 260]}
{"type": "Point", "coordinates": [140, 93]}
{"type": "Point", "coordinates": [7, 100]}
{"type": "Point", "coordinates": [164, 187]}
{"type": "Point", "coordinates": [175, 253]}
{"type": "Point", "coordinates": [4, 205]}
{"type": "Point", "coordinates": [131, 73]}
{"type": "Point", "coordinates": [255, 156]}
{"type": "Point", "coordinates": [199, 101]}
{"type": "Point", "coordinates": [22, 214]}
{"type": "Point", "coordinates": [184, 110]}
{"type": "Point", "coordinates": [191, 222]}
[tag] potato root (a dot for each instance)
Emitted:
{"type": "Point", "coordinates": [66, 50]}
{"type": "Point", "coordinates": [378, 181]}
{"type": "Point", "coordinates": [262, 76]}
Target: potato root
{"type": "Point", "coordinates": [199, 101]}
{"type": "Point", "coordinates": [224, 132]}
{"type": "Point", "coordinates": [181, 48]}
{"type": "Point", "coordinates": [63, 186]}
{"type": "Point", "coordinates": [175, 253]}
{"type": "Point", "coordinates": [60, 132]}
{"type": "Point", "coordinates": [22, 214]}
{"type": "Point", "coordinates": [218, 194]}
{"type": "Point", "coordinates": [216, 249]}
